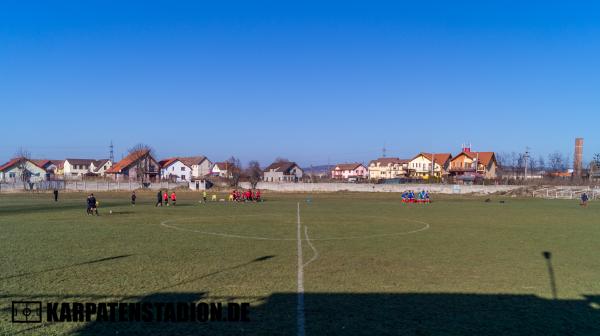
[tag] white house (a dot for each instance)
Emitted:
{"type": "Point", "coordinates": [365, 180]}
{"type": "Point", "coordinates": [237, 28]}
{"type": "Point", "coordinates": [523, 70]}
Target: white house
{"type": "Point", "coordinates": [283, 172]}
{"type": "Point", "coordinates": [185, 168]}
{"type": "Point", "coordinates": [99, 167]}
{"type": "Point", "coordinates": [21, 169]}
{"type": "Point", "coordinates": [200, 165]}
{"type": "Point", "coordinates": [221, 169]}
{"type": "Point", "coordinates": [175, 170]}
{"type": "Point", "coordinates": [345, 171]}
{"type": "Point", "coordinates": [76, 168]}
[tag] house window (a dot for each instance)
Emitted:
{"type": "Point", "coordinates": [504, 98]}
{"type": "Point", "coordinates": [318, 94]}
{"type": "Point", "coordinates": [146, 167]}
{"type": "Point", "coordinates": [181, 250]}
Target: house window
{"type": "Point", "coordinates": [182, 168]}
{"type": "Point", "coordinates": [183, 177]}
{"type": "Point", "coordinates": [12, 175]}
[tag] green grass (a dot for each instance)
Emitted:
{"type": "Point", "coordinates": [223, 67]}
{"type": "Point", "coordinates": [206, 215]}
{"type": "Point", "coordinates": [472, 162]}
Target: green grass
{"type": "Point", "coordinates": [477, 269]}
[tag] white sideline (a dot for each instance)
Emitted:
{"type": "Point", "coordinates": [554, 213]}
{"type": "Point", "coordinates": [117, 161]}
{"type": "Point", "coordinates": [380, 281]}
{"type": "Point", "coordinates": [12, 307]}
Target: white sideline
{"type": "Point", "coordinates": [300, 306]}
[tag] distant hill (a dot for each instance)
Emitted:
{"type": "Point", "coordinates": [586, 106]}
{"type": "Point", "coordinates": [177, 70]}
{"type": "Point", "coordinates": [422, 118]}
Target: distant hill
{"type": "Point", "coordinates": [318, 169]}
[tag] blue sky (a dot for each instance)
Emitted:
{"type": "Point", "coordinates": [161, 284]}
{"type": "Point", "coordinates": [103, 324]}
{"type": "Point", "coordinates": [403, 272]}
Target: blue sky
{"type": "Point", "coordinates": [315, 82]}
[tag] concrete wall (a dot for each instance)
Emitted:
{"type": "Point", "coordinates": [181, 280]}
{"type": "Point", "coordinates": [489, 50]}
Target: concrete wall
{"type": "Point", "coordinates": [364, 187]}
{"type": "Point", "coordinates": [94, 186]}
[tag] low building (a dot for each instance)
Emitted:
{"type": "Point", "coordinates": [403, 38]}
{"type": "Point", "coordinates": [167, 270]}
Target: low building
{"type": "Point", "coordinates": [388, 168]}
{"type": "Point", "coordinates": [50, 166]}
{"type": "Point", "coordinates": [283, 172]}
{"type": "Point", "coordinates": [76, 168]}
{"type": "Point", "coordinates": [471, 165]}
{"type": "Point", "coordinates": [22, 170]}
{"type": "Point", "coordinates": [175, 170]}
{"type": "Point", "coordinates": [200, 165]}
{"type": "Point", "coordinates": [345, 171]}
{"type": "Point", "coordinates": [137, 166]}
{"type": "Point", "coordinates": [99, 167]}
{"type": "Point", "coordinates": [185, 168]}
{"type": "Point", "coordinates": [221, 169]}
{"type": "Point", "coordinates": [426, 165]}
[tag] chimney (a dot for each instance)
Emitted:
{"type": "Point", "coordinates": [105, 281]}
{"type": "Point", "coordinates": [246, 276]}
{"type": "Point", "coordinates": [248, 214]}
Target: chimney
{"type": "Point", "coordinates": [578, 158]}
{"type": "Point", "coordinates": [466, 148]}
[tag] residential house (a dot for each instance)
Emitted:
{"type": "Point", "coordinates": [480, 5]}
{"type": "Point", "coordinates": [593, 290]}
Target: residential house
{"type": "Point", "coordinates": [99, 167]}
{"type": "Point", "coordinates": [174, 169]}
{"type": "Point", "coordinates": [345, 171]}
{"type": "Point", "coordinates": [426, 165]}
{"type": "Point", "coordinates": [137, 166]}
{"type": "Point", "coordinates": [283, 172]}
{"type": "Point", "coordinates": [200, 165]}
{"type": "Point", "coordinates": [76, 168]}
{"type": "Point", "coordinates": [388, 168]}
{"type": "Point", "coordinates": [470, 165]}
{"type": "Point", "coordinates": [50, 166]}
{"type": "Point", "coordinates": [221, 169]}
{"type": "Point", "coordinates": [22, 170]}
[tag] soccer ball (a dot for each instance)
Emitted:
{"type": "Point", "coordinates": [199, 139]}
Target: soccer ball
{"type": "Point", "coordinates": [110, 212]}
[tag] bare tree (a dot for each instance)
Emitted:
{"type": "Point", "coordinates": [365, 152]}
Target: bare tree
{"type": "Point", "coordinates": [502, 159]}
{"type": "Point", "coordinates": [234, 168]}
{"type": "Point", "coordinates": [23, 158]}
{"type": "Point", "coordinates": [141, 153]}
{"type": "Point", "coordinates": [281, 159]}
{"type": "Point", "coordinates": [254, 173]}
{"type": "Point", "coordinates": [520, 164]}
{"type": "Point", "coordinates": [595, 166]}
{"type": "Point", "coordinates": [541, 164]}
{"type": "Point", "coordinates": [556, 161]}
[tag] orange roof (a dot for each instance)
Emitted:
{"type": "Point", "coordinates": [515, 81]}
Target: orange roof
{"type": "Point", "coordinates": [14, 161]}
{"type": "Point", "coordinates": [166, 162]}
{"type": "Point", "coordinates": [128, 161]}
{"type": "Point", "coordinates": [440, 158]}
{"type": "Point", "coordinates": [484, 157]}
{"type": "Point", "coordinates": [10, 163]}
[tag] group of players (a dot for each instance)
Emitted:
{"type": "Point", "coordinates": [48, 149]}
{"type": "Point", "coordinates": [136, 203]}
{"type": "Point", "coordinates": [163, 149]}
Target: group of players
{"type": "Point", "coordinates": [410, 196]}
{"type": "Point", "coordinates": [245, 196]}
{"type": "Point", "coordinates": [161, 198]}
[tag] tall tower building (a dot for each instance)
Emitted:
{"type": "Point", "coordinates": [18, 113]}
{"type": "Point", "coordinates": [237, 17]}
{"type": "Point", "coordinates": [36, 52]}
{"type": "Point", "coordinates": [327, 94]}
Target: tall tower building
{"type": "Point", "coordinates": [578, 157]}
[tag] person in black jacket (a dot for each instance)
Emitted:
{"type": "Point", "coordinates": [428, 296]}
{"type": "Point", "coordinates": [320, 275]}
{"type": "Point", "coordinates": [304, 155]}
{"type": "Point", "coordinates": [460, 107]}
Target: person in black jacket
{"type": "Point", "coordinates": [55, 195]}
{"type": "Point", "coordinates": [159, 198]}
{"type": "Point", "coordinates": [92, 205]}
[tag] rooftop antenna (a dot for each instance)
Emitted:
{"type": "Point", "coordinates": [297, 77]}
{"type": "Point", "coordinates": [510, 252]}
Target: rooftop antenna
{"type": "Point", "coordinates": [111, 152]}
{"type": "Point", "coordinates": [383, 150]}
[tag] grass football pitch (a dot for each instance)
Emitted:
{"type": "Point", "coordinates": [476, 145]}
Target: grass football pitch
{"type": "Point", "coordinates": [369, 264]}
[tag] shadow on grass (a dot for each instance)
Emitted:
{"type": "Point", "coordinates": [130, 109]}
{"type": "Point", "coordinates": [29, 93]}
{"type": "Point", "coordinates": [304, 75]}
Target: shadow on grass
{"type": "Point", "coordinates": [378, 314]}
{"type": "Point", "coordinates": [66, 266]}
{"type": "Point", "coordinates": [52, 206]}
{"type": "Point", "coordinates": [194, 279]}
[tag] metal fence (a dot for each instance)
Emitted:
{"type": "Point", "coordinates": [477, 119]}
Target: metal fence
{"type": "Point", "coordinates": [566, 192]}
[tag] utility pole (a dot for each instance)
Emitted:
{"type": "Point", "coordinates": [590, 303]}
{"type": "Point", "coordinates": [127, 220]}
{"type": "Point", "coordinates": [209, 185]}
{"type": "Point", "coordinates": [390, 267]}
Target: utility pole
{"type": "Point", "coordinates": [111, 152]}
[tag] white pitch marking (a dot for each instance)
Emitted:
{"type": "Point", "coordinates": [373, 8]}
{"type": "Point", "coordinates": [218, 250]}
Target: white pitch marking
{"type": "Point", "coordinates": [300, 306]}
{"type": "Point", "coordinates": [315, 252]}
{"type": "Point", "coordinates": [227, 235]}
